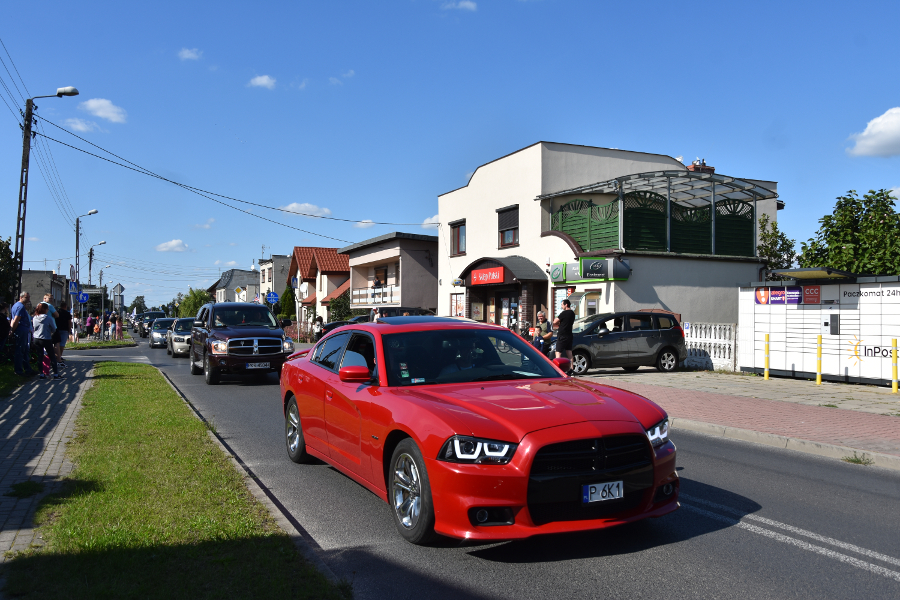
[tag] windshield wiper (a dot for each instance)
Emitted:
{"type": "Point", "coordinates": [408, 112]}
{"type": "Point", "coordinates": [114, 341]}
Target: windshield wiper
{"type": "Point", "coordinates": [501, 376]}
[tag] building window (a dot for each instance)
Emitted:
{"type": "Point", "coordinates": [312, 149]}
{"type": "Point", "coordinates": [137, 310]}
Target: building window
{"type": "Point", "coordinates": [457, 305]}
{"type": "Point", "coordinates": [508, 225]}
{"type": "Point", "coordinates": [457, 238]}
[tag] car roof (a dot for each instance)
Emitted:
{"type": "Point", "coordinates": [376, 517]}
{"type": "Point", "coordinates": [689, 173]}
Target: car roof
{"type": "Point", "coordinates": [388, 325]}
{"type": "Point", "coordinates": [237, 305]}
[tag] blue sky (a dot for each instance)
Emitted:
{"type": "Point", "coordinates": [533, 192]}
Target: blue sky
{"type": "Point", "coordinates": [369, 110]}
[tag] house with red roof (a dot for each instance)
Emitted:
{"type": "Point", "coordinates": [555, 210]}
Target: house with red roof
{"type": "Point", "coordinates": [321, 276]}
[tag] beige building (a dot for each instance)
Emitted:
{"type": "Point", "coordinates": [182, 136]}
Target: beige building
{"type": "Point", "coordinates": [609, 229]}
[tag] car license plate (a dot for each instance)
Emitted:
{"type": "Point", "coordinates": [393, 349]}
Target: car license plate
{"type": "Point", "coordinates": [264, 365]}
{"type": "Point", "coordinates": [598, 492]}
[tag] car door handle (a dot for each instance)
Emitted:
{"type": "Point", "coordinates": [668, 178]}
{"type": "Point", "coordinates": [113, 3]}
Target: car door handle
{"type": "Point", "coordinates": [328, 395]}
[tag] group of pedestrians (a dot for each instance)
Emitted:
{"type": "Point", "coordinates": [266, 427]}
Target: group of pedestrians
{"type": "Point", "coordinates": [105, 327]}
{"type": "Point", "coordinates": [46, 328]}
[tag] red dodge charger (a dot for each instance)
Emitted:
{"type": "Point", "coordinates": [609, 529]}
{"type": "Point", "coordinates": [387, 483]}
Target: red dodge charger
{"type": "Point", "coordinates": [468, 431]}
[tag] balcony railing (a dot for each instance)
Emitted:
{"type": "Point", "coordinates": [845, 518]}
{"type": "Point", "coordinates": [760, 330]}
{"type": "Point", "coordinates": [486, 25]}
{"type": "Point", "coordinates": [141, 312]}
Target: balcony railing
{"type": "Point", "coordinates": [387, 294]}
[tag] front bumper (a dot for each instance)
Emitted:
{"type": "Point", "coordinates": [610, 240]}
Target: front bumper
{"type": "Point", "coordinates": [458, 490]}
{"type": "Point", "coordinates": [229, 363]}
{"type": "Point", "coordinates": [181, 347]}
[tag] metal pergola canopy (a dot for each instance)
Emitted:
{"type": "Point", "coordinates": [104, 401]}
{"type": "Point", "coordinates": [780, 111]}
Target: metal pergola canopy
{"type": "Point", "coordinates": [688, 188]}
{"type": "Point", "coordinates": [814, 273]}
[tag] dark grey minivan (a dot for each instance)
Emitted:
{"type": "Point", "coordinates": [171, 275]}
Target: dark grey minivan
{"type": "Point", "coordinates": [628, 340]}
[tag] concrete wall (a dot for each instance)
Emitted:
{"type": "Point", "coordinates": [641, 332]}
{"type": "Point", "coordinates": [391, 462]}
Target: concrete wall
{"type": "Point", "coordinates": [419, 274]}
{"type": "Point", "coordinates": [702, 290]}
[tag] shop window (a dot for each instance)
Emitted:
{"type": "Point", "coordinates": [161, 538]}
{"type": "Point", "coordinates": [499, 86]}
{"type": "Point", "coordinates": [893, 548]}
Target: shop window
{"type": "Point", "coordinates": [457, 238]}
{"type": "Point", "coordinates": [457, 305]}
{"type": "Point", "coordinates": [508, 225]}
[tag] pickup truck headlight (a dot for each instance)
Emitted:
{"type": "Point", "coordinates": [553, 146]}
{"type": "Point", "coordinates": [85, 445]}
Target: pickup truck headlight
{"type": "Point", "coordinates": [659, 433]}
{"type": "Point", "coordinates": [465, 449]}
{"type": "Point", "coordinates": [219, 347]}
{"type": "Point", "coordinates": [287, 346]}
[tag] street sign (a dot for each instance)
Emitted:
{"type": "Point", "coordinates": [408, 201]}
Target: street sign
{"type": "Point", "coordinates": [73, 287]}
{"type": "Point", "coordinates": [294, 282]}
{"type": "Point", "coordinates": [238, 290]}
{"type": "Point", "coordinates": [72, 272]}
{"type": "Point", "coordinates": [83, 297]}
{"type": "Point", "coordinates": [272, 297]}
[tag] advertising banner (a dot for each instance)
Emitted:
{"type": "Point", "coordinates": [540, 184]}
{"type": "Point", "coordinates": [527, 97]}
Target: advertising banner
{"type": "Point", "coordinates": [485, 276]}
{"type": "Point", "coordinates": [777, 295]}
{"type": "Point", "coordinates": [594, 268]}
{"type": "Point", "coordinates": [793, 294]}
{"type": "Point", "coordinates": [762, 295]}
{"type": "Point", "coordinates": [558, 273]}
{"type": "Point", "coordinates": [811, 294]}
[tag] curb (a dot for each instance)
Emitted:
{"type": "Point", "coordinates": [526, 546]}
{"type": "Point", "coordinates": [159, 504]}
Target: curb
{"type": "Point", "coordinates": [302, 540]}
{"type": "Point", "coordinates": [887, 461]}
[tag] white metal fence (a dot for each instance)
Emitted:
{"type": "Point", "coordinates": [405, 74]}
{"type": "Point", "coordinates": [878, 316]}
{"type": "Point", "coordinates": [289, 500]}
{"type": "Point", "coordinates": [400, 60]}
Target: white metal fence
{"type": "Point", "coordinates": [711, 346]}
{"type": "Point", "coordinates": [382, 295]}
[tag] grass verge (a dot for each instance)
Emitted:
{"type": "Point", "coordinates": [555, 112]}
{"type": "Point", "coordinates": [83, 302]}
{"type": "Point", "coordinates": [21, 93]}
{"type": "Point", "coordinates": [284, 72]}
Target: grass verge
{"type": "Point", "coordinates": [858, 460]}
{"type": "Point", "coordinates": [128, 342]}
{"type": "Point", "coordinates": [154, 509]}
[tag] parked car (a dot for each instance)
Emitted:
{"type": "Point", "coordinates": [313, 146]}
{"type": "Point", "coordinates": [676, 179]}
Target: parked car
{"type": "Point", "coordinates": [335, 324]}
{"type": "Point", "coordinates": [239, 338]}
{"type": "Point", "coordinates": [158, 332]}
{"type": "Point", "coordinates": [178, 336]}
{"type": "Point", "coordinates": [626, 339]}
{"type": "Point", "coordinates": [467, 431]}
{"type": "Point", "coordinates": [146, 322]}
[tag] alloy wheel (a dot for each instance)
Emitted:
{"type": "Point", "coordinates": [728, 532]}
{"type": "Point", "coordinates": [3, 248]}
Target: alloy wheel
{"type": "Point", "coordinates": [293, 428]}
{"type": "Point", "coordinates": [580, 363]}
{"type": "Point", "coordinates": [407, 491]}
{"type": "Point", "coordinates": [667, 361]}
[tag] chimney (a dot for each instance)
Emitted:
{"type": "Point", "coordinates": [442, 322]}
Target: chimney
{"type": "Point", "coordinates": [700, 166]}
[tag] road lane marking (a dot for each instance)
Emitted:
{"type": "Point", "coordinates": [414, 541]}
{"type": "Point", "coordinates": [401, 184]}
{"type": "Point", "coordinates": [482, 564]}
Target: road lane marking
{"type": "Point", "coordinates": [796, 530]}
{"type": "Point", "coordinates": [861, 564]}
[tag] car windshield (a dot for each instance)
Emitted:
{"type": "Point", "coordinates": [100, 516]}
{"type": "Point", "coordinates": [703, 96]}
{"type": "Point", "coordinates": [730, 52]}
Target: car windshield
{"type": "Point", "coordinates": [162, 323]}
{"type": "Point", "coordinates": [584, 322]}
{"type": "Point", "coordinates": [244, 316]}
{"type": "Point", "coordinates": [184, 325]}
{"type": "Point", "coordinates": [461, 356]}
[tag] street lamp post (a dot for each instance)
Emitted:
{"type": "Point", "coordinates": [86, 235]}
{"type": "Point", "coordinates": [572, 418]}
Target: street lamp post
{"type": "Point", "coordinates": [23, 180]}
{"type": "Point", "coordinates": [91, 259]}
{"type": "Point", "coordinates": [78, 245]}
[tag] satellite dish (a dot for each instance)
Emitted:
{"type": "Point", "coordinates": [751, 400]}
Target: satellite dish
{"type": "Point", "coordinates": [304, 287]}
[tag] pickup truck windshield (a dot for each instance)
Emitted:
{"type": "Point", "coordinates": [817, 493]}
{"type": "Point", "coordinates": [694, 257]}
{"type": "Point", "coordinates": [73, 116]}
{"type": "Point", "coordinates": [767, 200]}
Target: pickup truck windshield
{"type": "Point", "coordinates": [243, 316]}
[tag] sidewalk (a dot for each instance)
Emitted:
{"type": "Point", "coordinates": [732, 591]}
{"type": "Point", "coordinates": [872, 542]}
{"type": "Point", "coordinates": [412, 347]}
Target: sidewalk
{"type": "Point", "coordinates": [36, 421]}
{"type": "Point", "coordinates": [782, 412]}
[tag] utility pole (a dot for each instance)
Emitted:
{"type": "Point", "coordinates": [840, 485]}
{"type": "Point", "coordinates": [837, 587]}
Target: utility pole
{"type": "Point", "coordinates": [90, 264]}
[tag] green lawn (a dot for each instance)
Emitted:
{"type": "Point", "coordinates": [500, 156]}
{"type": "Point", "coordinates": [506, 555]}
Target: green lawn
{"type": "Point", "coordinates": [86, 344]}
{"type": "Point", "coordinates": [154, 509]}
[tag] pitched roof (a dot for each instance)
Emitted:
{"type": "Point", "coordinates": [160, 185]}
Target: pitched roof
{"type": "Point", "coordinates": [397, 235]}
{"type": "Point", "coordinates": [300, 263]}
{"type": "Point", "coordinates": [309, 300]}
{"type": "Point", "coordinates": [329, 261]}
{"type": "Point", "coordinates": [340, 290]}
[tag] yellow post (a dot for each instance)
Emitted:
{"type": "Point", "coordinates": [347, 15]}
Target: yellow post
{"type": "Point", "coordinates": [766, 374]}
{"type": "Point", "coordinates": [894, 366]}
{"type": "Point", "coordinates": [819, 361]}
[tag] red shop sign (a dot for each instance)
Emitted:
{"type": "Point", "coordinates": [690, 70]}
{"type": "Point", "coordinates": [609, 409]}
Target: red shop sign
{"type": "Point", "coordinates": [811, 294]}
{"type": "Point", "coordinates": [483, 276]}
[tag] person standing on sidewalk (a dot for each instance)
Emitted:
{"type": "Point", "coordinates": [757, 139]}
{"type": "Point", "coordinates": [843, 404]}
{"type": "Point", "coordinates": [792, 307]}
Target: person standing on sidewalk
{"type": "Point", "coordinates": [564, 336]}
{"type": "Point", "coordinates": [53, 314]}
{"type": "Point", "coordinates": [119, 329]}
{"type": "Point", "coordinates": [44, 328]}
{"type": "Point", "coordinates": [64, 328]}
{"type": "Point", "coordinates": [20, 326]}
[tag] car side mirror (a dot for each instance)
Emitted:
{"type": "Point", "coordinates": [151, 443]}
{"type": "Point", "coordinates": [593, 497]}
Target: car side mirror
{"type": "Point", "coordinates": [286, 323]}
{"type": "Point", "coordinates": [355, 374]}
{"type": "Point", "coordinates": [563, 363]}
{"type": "Point", "coordinates": [199, 324]}
{"type": "Point", "coordinates": [603, 331]}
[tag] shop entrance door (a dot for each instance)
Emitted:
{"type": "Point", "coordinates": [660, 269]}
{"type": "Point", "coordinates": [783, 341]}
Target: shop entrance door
{"type": "Point", "coordinates": [507, 308]}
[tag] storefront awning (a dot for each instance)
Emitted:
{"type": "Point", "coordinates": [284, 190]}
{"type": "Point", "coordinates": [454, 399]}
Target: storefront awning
{"type": "Point", "coordinates": [521, 268]}
{"type": "Point", "coordinates": [686, 187]}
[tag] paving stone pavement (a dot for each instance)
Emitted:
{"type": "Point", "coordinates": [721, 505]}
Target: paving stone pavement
{"type": "Point", "coordinates": [36, 421]}
{"type": "Point", "coordinates": [867, 417]}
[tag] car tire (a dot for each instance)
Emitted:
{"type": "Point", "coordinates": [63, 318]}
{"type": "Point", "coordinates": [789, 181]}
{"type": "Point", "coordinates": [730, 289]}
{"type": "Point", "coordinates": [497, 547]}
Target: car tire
{"type": "Point", "coordinates": [194, 369]}
{"type": "Point", "coordinates": [409, 494]}
{"type": "Point", "coordinates": [581, 362]}
{"type": "Point", "coordinates": [295, 442]}
{"type": "Point", "coordinates": [168, 349]}
{"type": "Point", "coordinates": [212, 377]}
{"type": "Point", "coordinates": [631, 369]}
{"type": "Point", "coordinates": [667, 361]}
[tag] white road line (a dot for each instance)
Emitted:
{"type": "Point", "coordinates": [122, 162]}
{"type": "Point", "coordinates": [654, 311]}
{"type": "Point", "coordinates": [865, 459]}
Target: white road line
{"type": "Point", "coordinates": [795, 530]}
{"type": "Point", "coordinates": [861, 564]}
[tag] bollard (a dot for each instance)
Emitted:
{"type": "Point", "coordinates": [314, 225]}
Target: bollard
{"type": "Point", "coordinates": [819, 361]}
{"type": "Point", "coordinates": [894, 366]}
{"type": "Point", "coordinates": [766, 373]}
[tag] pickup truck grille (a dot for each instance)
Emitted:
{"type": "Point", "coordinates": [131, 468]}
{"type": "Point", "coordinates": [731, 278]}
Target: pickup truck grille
{"type": "Point", "coordinates": [254, 346]}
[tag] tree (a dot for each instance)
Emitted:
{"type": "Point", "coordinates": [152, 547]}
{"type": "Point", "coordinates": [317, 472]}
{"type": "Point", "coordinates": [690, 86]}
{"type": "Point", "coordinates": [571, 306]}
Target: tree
{"type": "Point", "coordinates": [138, 305]}
{"type": "Point", "coordinates": [339, 308]}
{"type": "Point", "coordinates": [288, 304]}
{"type": "Point", "coordinates": [8, 271]}
{"type": "Point", "coordinates": [861, 236]}
{"type": "Point", "coordinates": [774, 246]}
{"type": "Point", "coordinates": [191, 303]}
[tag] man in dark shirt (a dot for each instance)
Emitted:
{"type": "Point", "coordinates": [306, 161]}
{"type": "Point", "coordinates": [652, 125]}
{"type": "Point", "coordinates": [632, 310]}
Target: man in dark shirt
{"type": "Point", "coordinates": [564, 321]}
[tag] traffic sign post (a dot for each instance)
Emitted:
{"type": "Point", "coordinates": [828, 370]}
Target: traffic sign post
{"type": "Point", "coordinates": [83, 297]}
{"type": "Point", "coordinates": [272, 298]}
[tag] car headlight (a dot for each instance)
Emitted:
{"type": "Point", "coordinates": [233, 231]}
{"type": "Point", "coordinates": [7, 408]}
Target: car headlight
{"type": "Point", "coordinates": [178, 339]}
{"type": "Point", "coordinates": [659, 433]}
{"type": "Point", "coordinates": [465, 449]}
{"type": "Point", "coordinates": [287, 345]}
{"type": "Point", "coordinates": [219, 347]}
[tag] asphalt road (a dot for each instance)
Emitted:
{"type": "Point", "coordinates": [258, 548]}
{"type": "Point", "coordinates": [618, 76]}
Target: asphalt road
{"type": "Point", "coordinates": [755, 522]}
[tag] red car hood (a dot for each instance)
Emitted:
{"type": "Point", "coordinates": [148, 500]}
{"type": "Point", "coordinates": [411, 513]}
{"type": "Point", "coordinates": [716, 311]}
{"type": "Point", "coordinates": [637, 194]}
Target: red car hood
{"type": "Point", "coordinates": [499, 410]}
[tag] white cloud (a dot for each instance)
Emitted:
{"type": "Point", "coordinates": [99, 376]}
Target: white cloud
{"type": "Point", "coordinates": [103, 108]}
{"type": "Point", "coordinates": [335, 81]}
{"type": "Point", "coordinates": [232, 244]}
{"type": "Point", "coordinates": [895, 192]}
{"type": "Point", "coordinates": [881, 136]}
{"type": "Point", "coordinates": [301, 85]}
{"type": "Point", "coordinates": [206, 225]}
{"type": "Point", "coordinates": [262, 81]}
{"type": "Point", "coordinates": [364, 224]}
{"type": "Point", "coordinates": [230, 263]}
{"type": "Point", "coordinates": [190, 54]}
{"type": "Point", "coordinates": [349, 74]}
{"type": "Point", "coordinates": [461, 5]}
{"type": "Point", "coordinates": [81, 125]}
{"type": "Point", "coordinates": [34, 239]}
{"type": "Point", "coordinates": [307, 209]}
{"type": "Point", "coordinates": [431, 222]}
{"type": "Point", "coordinates": [172, 246]}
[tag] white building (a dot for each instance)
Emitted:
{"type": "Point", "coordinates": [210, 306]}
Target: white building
{"type": "Point", "coordinates": [236, 285]}
{"type": "Point", "coordinates": [543, 223]}
{"type": "Point", "coordinates": [321, 275]}
{"type": "Point", "coordinates": [272, 275]}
